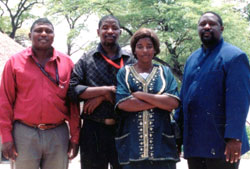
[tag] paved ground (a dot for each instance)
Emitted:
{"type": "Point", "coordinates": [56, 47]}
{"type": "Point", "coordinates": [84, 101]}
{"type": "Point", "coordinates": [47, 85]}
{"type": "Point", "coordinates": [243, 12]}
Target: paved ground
{"type": "Point", "coordinates": [75, 164]}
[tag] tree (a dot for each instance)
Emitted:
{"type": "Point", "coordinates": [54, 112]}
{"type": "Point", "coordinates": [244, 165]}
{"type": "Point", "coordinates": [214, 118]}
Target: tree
{"type": "Point", "coordinates": [75, 12]}
{"type": "Point", "coordinates": [173, 28]}
{"type": "Point", "coordinates": [18, 13]}
{"type": "Point", "coordinates": [175, 22]}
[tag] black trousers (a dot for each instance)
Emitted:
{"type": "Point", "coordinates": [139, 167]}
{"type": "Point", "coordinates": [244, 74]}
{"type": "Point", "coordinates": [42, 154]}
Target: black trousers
{"type": "Point", "coordinates": [97, 146]}
{"type": "Point", "coordinates": [211, 163]}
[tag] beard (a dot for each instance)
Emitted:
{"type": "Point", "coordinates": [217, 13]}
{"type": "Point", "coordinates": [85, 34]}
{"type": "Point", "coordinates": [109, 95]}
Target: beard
{"type": "Point", "coordinates": [110, 43]}
{"type": "Point", "coordinates": [209, 40]}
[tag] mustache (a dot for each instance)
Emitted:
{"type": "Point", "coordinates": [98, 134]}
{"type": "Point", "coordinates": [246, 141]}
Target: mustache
{"type": "Point", "coordinates": [108, 36]}
{"type": "Point", "coordinates": [45, 38]}
{"type": "Point", "coordinates": [205, 31]}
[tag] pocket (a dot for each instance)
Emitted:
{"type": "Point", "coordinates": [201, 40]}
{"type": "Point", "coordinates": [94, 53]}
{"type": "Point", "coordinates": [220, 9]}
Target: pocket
{"type": "Point", "coordinates": [122, 146]}
{"type": "Point", "coordinates": [169, 143]}
{"type": "Point", "coordinates": [61, 89]}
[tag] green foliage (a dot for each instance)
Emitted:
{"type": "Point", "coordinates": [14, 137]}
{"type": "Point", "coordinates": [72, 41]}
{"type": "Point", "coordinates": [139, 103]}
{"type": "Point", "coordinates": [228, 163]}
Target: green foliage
{"type": "Point", "coordinates": [248, 132]}
{"type": "Point", "coordinates": [236, 29]}
{"type": "Point", "coordinates": [175, 22]}
{"type": "Point", "coordinates": [75, 12]}
{"type": "Point", "coordinates": [5, 24]}
{"type": "Point", "coordinates": [17, 13]}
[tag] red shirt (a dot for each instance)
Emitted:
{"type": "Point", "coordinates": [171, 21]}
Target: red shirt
{"type": "Point", "coordinates": [27, 94]}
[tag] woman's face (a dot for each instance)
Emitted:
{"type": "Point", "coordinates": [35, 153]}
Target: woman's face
{"type": "Point", "coordinates": [144, 50]}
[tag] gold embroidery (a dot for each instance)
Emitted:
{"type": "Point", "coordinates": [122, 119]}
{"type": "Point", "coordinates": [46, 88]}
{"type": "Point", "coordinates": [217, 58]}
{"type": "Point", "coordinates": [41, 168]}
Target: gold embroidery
{"type": "Point", "coordinates": [163, 80]}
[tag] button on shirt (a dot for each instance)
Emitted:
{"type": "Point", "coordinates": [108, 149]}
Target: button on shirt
{"type": "Point", "coordinates": [93, 70]}
{"type": "Point", "coordinates": [28, 95]}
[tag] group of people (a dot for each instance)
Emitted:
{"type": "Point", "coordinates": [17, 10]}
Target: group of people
{"type": "Point", "coordinates": [128, 103]}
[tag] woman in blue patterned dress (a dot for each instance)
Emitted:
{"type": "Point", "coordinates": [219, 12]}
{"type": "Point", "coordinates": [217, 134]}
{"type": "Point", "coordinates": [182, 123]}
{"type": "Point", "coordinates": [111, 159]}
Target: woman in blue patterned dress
{"type": "Point", "coordinates": [145, 96]}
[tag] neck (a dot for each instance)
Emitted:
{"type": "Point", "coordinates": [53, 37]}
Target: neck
{"type": "Point", "coordinates": [142, 67]}
{"type": "Point", "coordinates": [210, 45]}
{"type": "Point", "coordinates": [42, 55]}
{"type": "Point", "coordinates": [110, 50]}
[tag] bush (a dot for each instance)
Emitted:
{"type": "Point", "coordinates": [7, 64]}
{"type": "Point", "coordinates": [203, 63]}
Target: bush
{"type": "Point", "coordinates": [248, 132]}
{"type": "Point", "coordinates": [247, 155]}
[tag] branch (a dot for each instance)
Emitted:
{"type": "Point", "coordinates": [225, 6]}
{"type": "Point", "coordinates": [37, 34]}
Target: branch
{"type": "Point", "coordinates": [68, 20]}
{"type": "Point", "coordinates": [23, 8]}
{"type": "Point", "coordinates": [7, 6]}
{"type": "Point", "coordinates": [79, 48]}
{"type": "Point", "coordinates": [161, 61]}
{"type": "Point", "coordinates": [109, 11]}
{"type": "Point", "coordinates": [127, 30]}
{"type": "Point", "coordinates": [2, 12]}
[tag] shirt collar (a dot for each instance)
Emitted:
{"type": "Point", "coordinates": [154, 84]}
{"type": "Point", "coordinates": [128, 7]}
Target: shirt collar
{"type": "Point", "coordinates": [207, 50]}
{"type": "Point", "coordinates": [118, 55]}
{"type": "Point", "coordinates": [55, 55]}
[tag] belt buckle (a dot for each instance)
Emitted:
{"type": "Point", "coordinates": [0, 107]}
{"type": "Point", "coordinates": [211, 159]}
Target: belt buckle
{"type": "Point", "coordinates": [39, 126]}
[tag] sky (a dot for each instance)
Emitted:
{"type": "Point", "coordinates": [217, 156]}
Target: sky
{"type": "Point", "coordinates": [84, 39]}
{"type": "Point", "coordinates": [87, 35]}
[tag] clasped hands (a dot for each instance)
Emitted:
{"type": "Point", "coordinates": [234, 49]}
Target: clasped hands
{"type": "Point", "coordinates": [91, 104]}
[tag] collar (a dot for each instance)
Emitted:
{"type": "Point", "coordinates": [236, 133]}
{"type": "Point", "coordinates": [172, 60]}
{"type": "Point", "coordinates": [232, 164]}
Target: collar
{"type": "Point", "coordinates": [118, 55]}
{"type": "Point", "coordinates": [55, 55]}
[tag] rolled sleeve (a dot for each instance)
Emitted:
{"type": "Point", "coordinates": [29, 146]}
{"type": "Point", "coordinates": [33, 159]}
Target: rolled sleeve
{"type": "Point", "coordinates": [76, 81]}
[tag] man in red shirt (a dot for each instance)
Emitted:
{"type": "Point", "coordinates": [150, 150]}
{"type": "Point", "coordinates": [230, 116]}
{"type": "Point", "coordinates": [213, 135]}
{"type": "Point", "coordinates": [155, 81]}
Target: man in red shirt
{"type": "Point", "coordinates": [34, 105]}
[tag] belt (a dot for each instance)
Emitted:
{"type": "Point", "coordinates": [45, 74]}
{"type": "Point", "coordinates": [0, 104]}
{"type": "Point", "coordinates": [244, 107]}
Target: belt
{"type": "Point", "coordinates": [41, 126]}
{"type": "Point", "coordinates": [103, 121]}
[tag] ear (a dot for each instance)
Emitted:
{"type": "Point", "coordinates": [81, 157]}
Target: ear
{"type": "Point", "coordinates": [98, 32]}
{"type": "Point", "coordinates": [29, 36]}
{"type": "Point", "coordinates": [120, 31]}
{"type": "Point", "coordinates": [222, 28]}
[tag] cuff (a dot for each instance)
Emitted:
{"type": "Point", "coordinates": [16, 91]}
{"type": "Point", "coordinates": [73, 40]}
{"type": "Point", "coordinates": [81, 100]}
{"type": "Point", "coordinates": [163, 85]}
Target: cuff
{"type": "Point", "coordinates": [6, 136]}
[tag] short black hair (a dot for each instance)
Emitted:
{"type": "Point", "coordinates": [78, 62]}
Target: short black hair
{"type": "Point", "coordinates": [217, 15]}
{"type": "Point", "coordinates": [41, 21]}
{"type": "Point", "coordinates": [106, 17]}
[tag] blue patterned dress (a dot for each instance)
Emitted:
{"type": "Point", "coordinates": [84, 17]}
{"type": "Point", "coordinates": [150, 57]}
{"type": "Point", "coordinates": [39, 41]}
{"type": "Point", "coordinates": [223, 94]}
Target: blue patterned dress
{"type": "Point", "coordinates": [146, 135]}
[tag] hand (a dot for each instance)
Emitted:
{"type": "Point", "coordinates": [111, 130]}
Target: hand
{"type": "Point", "coordinates": [138, 95]}
{"type": "Point", "coordinates": [91, 104]}
{"type": "Point", "coordinates": [233, 150]}
{"type": "Point", "coordinates": [112, 89]}
{"type": "Point", "coordinates": [110, 96]}
{"type": "Point", "coordinates": [109, 121]}
{"type": "Point", "coordinates": [9, 150]}
{"type": "Point", "coordinates": [73, 150]}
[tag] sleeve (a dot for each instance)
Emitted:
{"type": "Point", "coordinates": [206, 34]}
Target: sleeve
{"type": "Point", "coordinates": [76, 86]}
{"type": "Point", "coordinates": [171, 86]}
{"type": "Point", "coordinates": [237, 88]}
{"type": "Point", "coordinates": [122, 88]}
{"type": "Point", "coordinates": [74, 122]}
{"type": "Point", "coordinates": [7, 100]}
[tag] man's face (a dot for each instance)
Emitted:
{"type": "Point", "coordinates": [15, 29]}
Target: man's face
{"type": "Point", "coordinates": [42, 36]}
{"type": "Point", "coordinates": [209, 29]}
{"type": "Point", "coordinates": [109, 32]}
